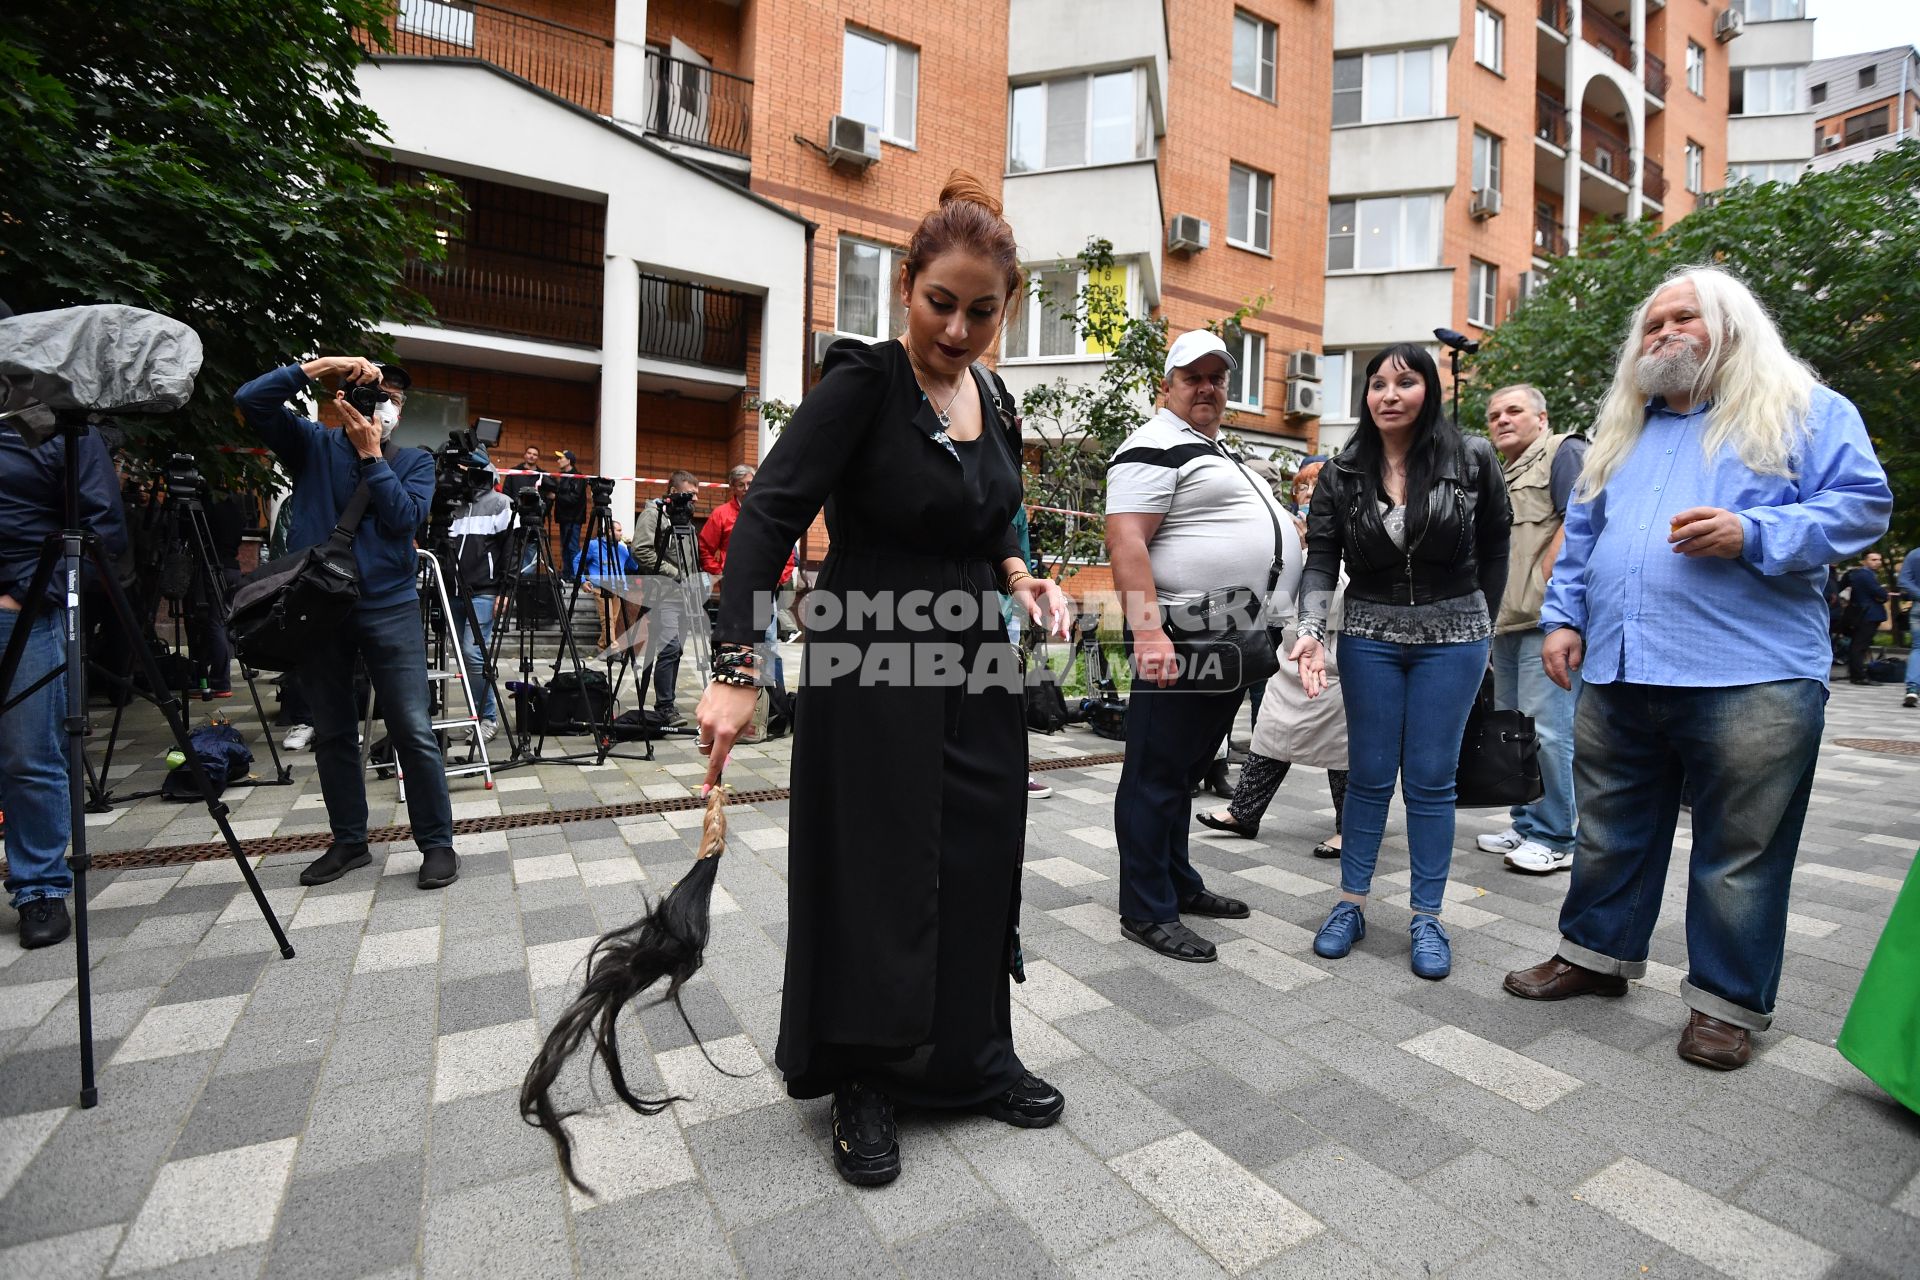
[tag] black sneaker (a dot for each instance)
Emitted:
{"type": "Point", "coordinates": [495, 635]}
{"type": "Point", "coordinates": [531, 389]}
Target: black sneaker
{"type": "Point", "coordinates": [336, 862]}
{"type": "Point", "coordinates": [438, 868]}
{"type": "Point", "coordinates": [1032, 1103]}
{"type": "Point", "coordinates": [44, 922]}
{"type": "Point", "coordinates": [670, 718]}
{"type": "Point", "coordinates": [866, 1142]}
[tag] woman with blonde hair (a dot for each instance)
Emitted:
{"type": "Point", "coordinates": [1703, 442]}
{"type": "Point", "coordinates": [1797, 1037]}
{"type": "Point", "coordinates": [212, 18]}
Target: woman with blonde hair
{"type": "Point", "coordinates": [909, 789]}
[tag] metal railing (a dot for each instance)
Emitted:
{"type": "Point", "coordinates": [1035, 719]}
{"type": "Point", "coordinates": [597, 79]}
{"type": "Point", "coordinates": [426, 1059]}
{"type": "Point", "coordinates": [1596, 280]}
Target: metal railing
{"type": "Point", "coordinates": [1653, 180]}
{"type": "Point", "coordinates": [1609, 36]}
{"type": "Point", "coordinates": [565, 60]}
{"type": "Point", "coordinates": [1550, 120]}
{"type": "Point", "coordinates": [1549, 237]}
{"type": "Point", "coordinates": [1657, 76]}
{"type": "Point", "coordinates": [519, 294]}
{"type": "Point", "coordinates": [1606, 152]}
{"type": "Point", "coordinates": [693, 323]}
{"type": "Point", "coordinates": [703, 106]}
{"type": "Point", "coordinates": [1557, 14]}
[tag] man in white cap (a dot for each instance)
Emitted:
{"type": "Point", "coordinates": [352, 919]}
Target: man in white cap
{"type": "Point", "coordinates": [1183, 518]}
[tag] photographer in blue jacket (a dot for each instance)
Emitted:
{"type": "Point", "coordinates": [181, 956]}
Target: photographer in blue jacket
{"type": "Point", "coordinates": [327, 466]}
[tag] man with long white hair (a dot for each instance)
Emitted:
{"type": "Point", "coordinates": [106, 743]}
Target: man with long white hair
{"type": "Point", "coordinates": [1723, 479]}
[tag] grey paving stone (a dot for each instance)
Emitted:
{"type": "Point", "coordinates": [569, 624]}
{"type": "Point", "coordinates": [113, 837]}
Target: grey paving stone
{"type": "Point", "coordinates": [1151, 998]}
{"type": "Point", "coordinates": [1105, 1112]}
{"type": "Point", "coordinates": [1159, 1250]}
{"type": "Point", "coordinates": [125, 971]}
{"type": "Point", "coordinates": [250, 1107]}
{"type": "Point", "coordinates": [557, 924]}
{"type": "Point", "coordinates": [351, 1221]}
{"type": "Point", "coordinates": [231, 1264]}
{"type": "Point", "coordinates": [1572, 1237]}
{"type": "Point", "coordinates": [989, 1243]}
{"type": "Point", "coordinates": [705, 1008]}
{"type": "Point", "coordinates": [483, 1002]}
{"type": "Point", "coordinates": [936, 1185]}
{"type": "Point", "coordinates": [399, 1044]}
{"type": "Point", "coordinates": [384, 992]}
{"type": "Point", "coordinates": [829, 1235]}
{"type": "Point", "coordinates": [1064, 1194]}
{"type": "Point", "coordinates": [1136, 1051]}
{"type": "Point", "coordinates": [515, 1228]}
{"type": "Point", "coordinates": [1558, 1156]}
{"type": "Point", "coordinates": [675, 1226]}
{"type": "Point", "coordinates": [1249, 1126]}
{"type": "Point", "coordinates": [362, 1123]}
{"type": "Point", "coordinates": [1328, 1256]}
{"type": "Point", "coordinates": [276, 1037]}
{"type": "Point", "coordinates": [761, 1163]}
{"type": "Point", "coordinates": [1843, 1222]}
{"type": "Point", "coordinates": [85, 1175]}
{"type": "Point", "coordinates": [482, 1140]}
{"type": "Point", "coordinates": [1393, 1222]}
{"type": "Point", "coordinates": [1716, 1162]}
{"type": "Point", "coordinates": [206, 979]}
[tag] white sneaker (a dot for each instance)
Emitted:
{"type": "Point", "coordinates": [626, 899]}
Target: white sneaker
{"type": "Point", "coordinates": [489, 730]}
{"type": "Point", "coordinates": [1505, 842]}
{"type": "Point", "coordinates": [1536, 859]}
{"type": "Point", "coordinates": [298, 738]}
{"type": "Point", "coordinates": [1036, 789]}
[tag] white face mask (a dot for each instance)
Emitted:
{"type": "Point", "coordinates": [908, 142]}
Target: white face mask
{"type": "Point", "coordinates": [387, 414]}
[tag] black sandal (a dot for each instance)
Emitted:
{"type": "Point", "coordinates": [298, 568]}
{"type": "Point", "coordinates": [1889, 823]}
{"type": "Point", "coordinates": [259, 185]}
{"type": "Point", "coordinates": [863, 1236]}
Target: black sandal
{"type": "Point", "coordinates": [1206, 903]}
{"type": "Point", "coordinates": [1173, 940]}
{"type": "Point", "coordinates": [1228, 825]}
{"type": "Point", "coordinates": [1325, 850]}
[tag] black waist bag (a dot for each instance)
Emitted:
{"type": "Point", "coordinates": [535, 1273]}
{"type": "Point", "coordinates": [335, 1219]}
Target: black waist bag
{"type": "Point", "coordinates": [287, 607]}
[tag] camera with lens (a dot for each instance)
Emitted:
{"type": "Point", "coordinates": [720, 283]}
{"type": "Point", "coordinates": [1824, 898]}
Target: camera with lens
{"type": "Point", "coordinates": [680, 509]}
{"type": "Point", "coordinates": [183, 477]}
{"type": "Point", "coordinates": [531, 504]}
{"type": "Point", "coordinates": [366, 397]}
{"type": "Point", "coordinates": [602, 490]}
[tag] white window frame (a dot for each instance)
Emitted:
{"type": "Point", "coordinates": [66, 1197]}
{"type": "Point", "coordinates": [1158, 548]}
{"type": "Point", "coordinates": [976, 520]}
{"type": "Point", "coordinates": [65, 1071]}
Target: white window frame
{"type": "Point", "coordinates": [1030, 313]}
{"type": "Point", "coordinates": [1373, 65]}
{"type": "Point", "coordinates": [1696, 166]}
{"type": "Point", "coordinates": [1490, 29]}
{"type": "Point", "coordinates": [889, 271]}
{"type": "Point", "coordinates": [1487, 161]}
{"type": "Point", "coordinates": [1435, 207]}
{"type": "Point", "coordinates": [1336, 388]}
{"type": "Point", "coordinates": [1483, 293]}
{"type": "Point", "coordinates": [1259, 184]}
{"type": "Point", "coordinates": [1265, 57]}
{"type": "Point", "coordinates": [1697, 69]}
{"type": "Point", "coordinates": [1252, 372]}
{"type": "Point", "coordinates": [1795, 74]}
{"type": "Point", "coordinates": [889, 126]}
{"type": "Point", "coordinates": [1142, 141]}
{"type": "Point", "coordinates": [437, 20]}
{"type": "Point", "coordinates": [1772, 10]}
{"type": "Point", "coordinates": [1757, 171]}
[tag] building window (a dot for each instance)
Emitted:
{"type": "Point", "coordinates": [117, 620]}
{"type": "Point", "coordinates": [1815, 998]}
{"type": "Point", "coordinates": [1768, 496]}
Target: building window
{"type": "Point", "coordinates": [1765, 171]}
{"type": "Point", "coordinates": [1868, 75]}
{"type": "Point", "coordinates": [1483, 292]}
{"type": "Point", "coordinates": [1404, 84]}
{"type": "Point", "coordinates": [1336, 396]}
{"type": "Point", "coordinates": [1696, 167]}
{"type": "Point", "coordinates": [1244, 383]}
{"type": "Point", "coordinates": [1394, 233]}
{"type": "Point", "coordinates": [1253, 54]}
{"type": "Point", "coordinates": [449, 23]}
{"type": "Point", "coordinates": [867, 290]}
{"type": "Point", "coordinates": [1249, 208]}
{"type": "Point", "coordinates": [1696, 69]}
{"type": "Point", "coordinates": [1045, 329]}
{"type": "Point", "coordinates": [880, 84]}
{"type": "Point", "coordinates": [1772, 10]}
{"type": "Point", "coordinates": [1867, 125]}
{"type": "Point", "coordinates": [1486, 161]}
{"type": "Point", "coordinates": [1077, 121]}
{"type": "Point", "coordinates": [1817, 94]}
{"type": "Point", "coordinates": [1489, 39]}
{"type": "Point", "coordinates": [1763, 91]}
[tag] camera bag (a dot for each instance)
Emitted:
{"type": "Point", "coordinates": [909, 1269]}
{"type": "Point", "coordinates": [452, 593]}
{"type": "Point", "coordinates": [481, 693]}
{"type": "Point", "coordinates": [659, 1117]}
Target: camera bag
{"type": "Point", "coordinates": [285, 607]}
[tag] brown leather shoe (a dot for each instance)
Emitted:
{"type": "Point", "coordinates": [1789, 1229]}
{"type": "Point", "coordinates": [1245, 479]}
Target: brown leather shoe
{"type": "Point", "coordinates": [1558, 979]}
{"type": "Point", "coordinates": [1713, 1043]}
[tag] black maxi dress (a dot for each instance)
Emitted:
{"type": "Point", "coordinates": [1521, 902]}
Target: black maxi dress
{"type": "Point", "coordinates": [909, 796]}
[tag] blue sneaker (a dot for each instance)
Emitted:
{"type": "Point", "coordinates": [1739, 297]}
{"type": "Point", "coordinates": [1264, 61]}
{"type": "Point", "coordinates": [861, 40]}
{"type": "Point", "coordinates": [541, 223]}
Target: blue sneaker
{"type": "Point", "coordinates": [1344, 927]}
{"type": "Point", "coordinates": [1432, 949]}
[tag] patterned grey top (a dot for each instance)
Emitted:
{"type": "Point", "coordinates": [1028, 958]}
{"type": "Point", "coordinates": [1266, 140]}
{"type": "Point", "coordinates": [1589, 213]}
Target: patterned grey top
{"type": "Point", "coordinates": [1461, 620]}
{"type": "Point", "coordinates": [1395, 518]}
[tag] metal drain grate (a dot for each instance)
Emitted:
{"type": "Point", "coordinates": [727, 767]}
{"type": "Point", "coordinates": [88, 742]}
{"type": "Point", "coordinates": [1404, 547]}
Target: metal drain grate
{"type": "Point", "coordinates": [174, 855]}
{"type": "Point", "coordinates": [1885, 746]}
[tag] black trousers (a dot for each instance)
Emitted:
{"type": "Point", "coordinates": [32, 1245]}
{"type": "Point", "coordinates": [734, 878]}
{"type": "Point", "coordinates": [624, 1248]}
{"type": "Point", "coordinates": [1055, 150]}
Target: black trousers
{"type": "Point", "coordinates": [1171, 736]}
{"type": "Point", "coordinates": [1860, 648]}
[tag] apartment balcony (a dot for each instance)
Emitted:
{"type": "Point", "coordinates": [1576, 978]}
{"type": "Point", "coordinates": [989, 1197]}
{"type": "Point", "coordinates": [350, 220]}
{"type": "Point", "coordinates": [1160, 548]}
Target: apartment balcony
{"type": "Point", "coordinates": [1551, 123]}
{"type": "Point", "coordinates": [567, 61]}
{"type": "Point", "coordinates": [699, 106]}
{"type": "Point", "coordinates": [1606, 35]}
{"type": "Point", "coordinates": [1656, 78]}
{"type": "Point", "coordinates": [1368, 24]}
{"type": "Point", "coordinates": [1557, 17]}
{"type": "Point", "coordinates": [1549, 237]}
{"type": "Point", "coordinates": [1606, 154]}
{"type": "Point", "coordinates": [1369, 309]}
{"type": "Point", "coordinates": [686, 323]}
{"type": "Point", "coordinates": [1059, 210]}
{"type": "Point", "coordinates": [1653, 181]}
{"type": "Point", "coordinates": [1402, 155]}
{"type": "Point", "coordinates": [483, 289]}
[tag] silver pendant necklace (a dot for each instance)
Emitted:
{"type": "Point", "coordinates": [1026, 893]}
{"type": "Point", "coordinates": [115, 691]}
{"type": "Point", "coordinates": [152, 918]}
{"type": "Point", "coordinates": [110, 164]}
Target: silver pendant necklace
{"type": "Point", "coordinates": [946, 422]}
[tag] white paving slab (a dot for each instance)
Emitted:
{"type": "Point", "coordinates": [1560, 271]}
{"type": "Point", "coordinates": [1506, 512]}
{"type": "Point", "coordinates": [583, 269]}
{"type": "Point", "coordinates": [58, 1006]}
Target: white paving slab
{"type": "Point", "coordinates": [401, 949]}
{"type": "Point", "coordinates": [208, 1204]}
{"type": "Point", "coordinates": [1847, 876]}
{"type": "Point", "coordinates": [1891, 842]}
{"type": "Point", "coordinates": [1268, 967]}
{"type": "Point", "coordinates": [1235, 1217]}
{"type": "Point", "coordinates": [762, 838]}
{"type": "Point", "coordinates": [1809, 926]}
{"type": "Point", "coordinates": [553, 964]}
{"type": "Point", "coordinates": [1064, 872]}
{"type": "Point", "coordinates": [1281, 935]}
{"type": "Point", "coordinates": [1705, 1228]}
{"type": "Point", "coordinates": [20, 1140]}
{"type": "Point", "coordinates": [1493, 1067]}
{"type": "Point", "coordinates": [1052, 993]}
{"type": "Point", "coordinates": [706, 1094]}
{"type": "Point", "coordinates": [621, 1155]}
{"type": "Point", "coordinates": [82, 1255]}
{"type": "Point", "coordinates": [1455, 915]}
{"type": "Point", "coordinates": [1820, 1061]}
{"type": "Point", "coordinates": [1039, 1045]}
{"type": "Point", "coordinates": [170, 1029]}
{"type": "Point", "coordinates": [552, 866]}
{"type": "Point", "coordinates": [483, 1060]}
{"type": "Point", "coordinates": [335, 908]}
{"type": "Point", "coordinates": [242, 906]}
{"type": "Point", "coordinates": [1091, 919]}
{"type": "Point", "coordinates": [25, 1003]}
{"type": "Point", "coordinates": [601, 871]}
{"type": "Point", "coordinates": [132, 893]}
{"type": "Point", "coordinates": [1098, 837]}
{"type": "Point", "coordinates": [1288, 882]}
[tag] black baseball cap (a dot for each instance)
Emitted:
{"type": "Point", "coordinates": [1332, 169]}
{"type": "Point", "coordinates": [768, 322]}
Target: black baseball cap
{"type": "Point", "coordinates": [397, 375]}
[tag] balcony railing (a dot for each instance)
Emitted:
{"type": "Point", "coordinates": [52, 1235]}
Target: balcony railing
{"type": "Point", "coordinates": [521, 294]}
{"type": "Point", "coordinates": [1657, 76]}
{"type": "Point", "coordinates": [692, 323]}
{"type": "Point", "coordinates": [1606, 152]}
{"type": "Point", "coordinates": [1550, 120]}
{"type": "Point", "coordinates": [567, 61]}
{"type": "Point", "coordinates": [1612, 39]}
{"type": "Point", "coordinates": [1557, 14]}
{"type": "Point", "coordinates": [1653, 181]}
{"type": "Point", "coordinates": [690, 103]}
{"type": "Point", "coordinates": [1549, 237]}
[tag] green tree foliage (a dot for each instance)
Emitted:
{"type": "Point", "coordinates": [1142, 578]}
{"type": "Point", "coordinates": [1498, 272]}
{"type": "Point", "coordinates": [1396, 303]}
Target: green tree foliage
{"type": "Point", "coordinates": [208, 159]}
{"type": "Point", "coordinates": [1835, 257]}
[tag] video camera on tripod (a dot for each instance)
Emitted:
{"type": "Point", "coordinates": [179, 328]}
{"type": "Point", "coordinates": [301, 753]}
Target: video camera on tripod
{"type": "Point", "coordinates": [459, 477]}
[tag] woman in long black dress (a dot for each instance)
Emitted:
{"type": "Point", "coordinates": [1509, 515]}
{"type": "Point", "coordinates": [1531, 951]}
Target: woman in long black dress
{"type": "Point", "coordinates": [909, 783]}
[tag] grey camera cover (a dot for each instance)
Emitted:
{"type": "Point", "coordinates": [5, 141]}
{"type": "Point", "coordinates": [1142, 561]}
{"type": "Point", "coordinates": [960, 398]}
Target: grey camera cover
{"type": "Point", "coordinates": [101, 359]}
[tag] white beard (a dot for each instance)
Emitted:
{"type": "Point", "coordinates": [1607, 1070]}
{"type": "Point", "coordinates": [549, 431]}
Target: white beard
{"type": "Point", "coordinates": [1675, 369]}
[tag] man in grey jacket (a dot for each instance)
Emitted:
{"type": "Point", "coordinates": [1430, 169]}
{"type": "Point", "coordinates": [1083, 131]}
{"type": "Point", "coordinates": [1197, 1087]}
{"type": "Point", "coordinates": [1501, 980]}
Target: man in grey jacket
{"type": "Point", "coordinates": [664, 546]}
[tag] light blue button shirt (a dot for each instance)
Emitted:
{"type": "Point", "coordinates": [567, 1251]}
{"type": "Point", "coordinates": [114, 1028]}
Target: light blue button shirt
{"type": "Point", "coordinates": [1649, 615]}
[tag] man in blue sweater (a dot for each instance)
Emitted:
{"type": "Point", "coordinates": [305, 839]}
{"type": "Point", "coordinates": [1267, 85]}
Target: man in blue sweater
{"type": "Point", "coordinates": [384, 629]}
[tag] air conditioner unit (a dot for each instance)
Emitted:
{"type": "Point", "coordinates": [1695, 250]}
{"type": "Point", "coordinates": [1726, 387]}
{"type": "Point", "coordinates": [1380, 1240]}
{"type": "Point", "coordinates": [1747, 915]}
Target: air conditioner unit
{"type": "Point", "coordinates": [1304, 364]}
{"type": "Point", "coordinates": [1485, 204]}
{"type": "Point", "coordinates": [1727, 24]}
{"type": "Point", "coordinates": [1529, 283]}
{"type": "Point", "coordinates": [853, 143]}
{"type": "Point", "coordinates": [1188, 234]}
{"type": "Point", "coordinates": [1830, 143]}
{"type": "Point", "coordinates": [822, 339]}
{"type": "Point", "coordinates": [1304, 399]}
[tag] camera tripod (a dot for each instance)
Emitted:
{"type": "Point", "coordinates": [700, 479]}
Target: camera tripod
{"type": "Point", "coordinates": [65, 553]}
{"type": "Point", "coordinates": [599, 532]}
{"type": "Point", "coordinates": [196, 593]}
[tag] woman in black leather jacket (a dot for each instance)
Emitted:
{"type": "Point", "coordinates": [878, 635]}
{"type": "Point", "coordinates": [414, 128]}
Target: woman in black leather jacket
{"type": "Point", "coordinates": [1418, 514]}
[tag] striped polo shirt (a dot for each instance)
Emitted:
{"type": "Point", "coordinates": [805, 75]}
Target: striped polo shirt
{"type": "Point", "coordinates": [1217, 516]}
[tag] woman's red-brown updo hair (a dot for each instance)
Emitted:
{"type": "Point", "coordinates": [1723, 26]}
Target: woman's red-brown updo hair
{"type": "Point", "coordinates": [968, 219]}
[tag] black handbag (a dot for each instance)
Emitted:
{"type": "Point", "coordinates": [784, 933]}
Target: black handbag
{"type": "Point", "coordinates": [1499, 757]}
{"type": "Point", "coordinates": [286, 608]}
{"type": "Point", "coordinates": [1222, 639]}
